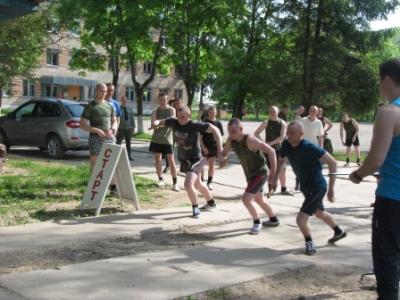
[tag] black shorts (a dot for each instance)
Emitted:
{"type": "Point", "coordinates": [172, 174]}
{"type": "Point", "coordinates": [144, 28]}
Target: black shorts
{"type": "Point", "coordinates": [349, 142]}
{"type": "Point", "coordinates": [212, 150]}
{"type": "Point", "coordinates": [192, 165]}
{"type": "Point", "coordinates": [277, 153]}
{"type": "Point", "coordinates": [312, 202]}
{"type": "Point", "coordinates": [256, 184]}
{"type": "Point", "coordinates": [161, 148]}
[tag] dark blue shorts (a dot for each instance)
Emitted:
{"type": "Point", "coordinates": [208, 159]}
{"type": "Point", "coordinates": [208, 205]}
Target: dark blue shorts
{"type": "Point", "coordinates": [312, 202]}
{"type": "Point", "coordinates": [192, 165]}
{"type": "Point", "coordinates": [349, 142]}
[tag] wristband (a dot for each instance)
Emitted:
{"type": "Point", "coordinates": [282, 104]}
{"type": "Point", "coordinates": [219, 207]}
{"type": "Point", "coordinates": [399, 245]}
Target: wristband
{"type": "Point", "coordinates": [356, 176]}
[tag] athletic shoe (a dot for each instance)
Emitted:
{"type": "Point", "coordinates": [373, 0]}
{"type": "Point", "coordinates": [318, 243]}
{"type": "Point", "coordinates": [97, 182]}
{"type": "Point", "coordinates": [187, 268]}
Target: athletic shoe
{"type": "Point", "coordinates": [287, 193]}
{"type": "Point", "coordinates": [310, 249]}
{"type": "Point", "coordinates": [160, 183]}
{"type": "Point", "coordinates": [210, 187]}
{"type": "Point", "coordinates": [114, 193]}
{"type": "Point", "coordinates": [208, 206]}
{"type": "Point", "coordinates": [175, 187]}
{"type": "Point", "coordinates": [269, 223]}
{"type": "Point", "coordinates": [346, 165]}
{"type": "Point", "coordinates": [166, 169]}
{"type": "Point", "coordinates": [337, 237]}
{"type": "Point", "coordinates": [255, 229]}
{"type": "Point", "coordinates": [359, 164]}
{"type": "Point", "coordinates": [196, 212]}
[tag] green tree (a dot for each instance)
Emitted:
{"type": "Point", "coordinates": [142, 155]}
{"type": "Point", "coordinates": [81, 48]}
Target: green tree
{"type": "Point", "coordinates": [24, 39]}
{"type": "Point", "coordinates": [192, 30]}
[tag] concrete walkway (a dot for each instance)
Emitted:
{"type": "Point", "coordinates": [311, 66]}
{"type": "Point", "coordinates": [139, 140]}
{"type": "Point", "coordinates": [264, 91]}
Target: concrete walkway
{"type": "Point", "coordinates": [233, 257]}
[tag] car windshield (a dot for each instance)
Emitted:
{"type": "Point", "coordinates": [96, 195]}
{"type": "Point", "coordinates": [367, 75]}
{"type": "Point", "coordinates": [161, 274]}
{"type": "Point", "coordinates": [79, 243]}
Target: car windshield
{"type": "Point", "coordinates": [76, 109]}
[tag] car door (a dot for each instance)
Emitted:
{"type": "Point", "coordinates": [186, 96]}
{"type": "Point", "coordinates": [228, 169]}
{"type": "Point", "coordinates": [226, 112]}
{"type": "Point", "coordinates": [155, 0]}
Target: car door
{"type": "Point", "coordinates": [42, 123]}
{"type": "Point", "coordinates": [17, 127]}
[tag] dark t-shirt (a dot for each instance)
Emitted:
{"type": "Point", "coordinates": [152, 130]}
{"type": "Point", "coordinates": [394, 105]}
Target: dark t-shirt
{"type": "Point", "coordinates": [282, 116]}
{"type": "Point", "coordinates": [305, 163]}
{"type": "Point", "coordinates": [187, 137]}
{"type": "Point", "coordinates": [208, 138]}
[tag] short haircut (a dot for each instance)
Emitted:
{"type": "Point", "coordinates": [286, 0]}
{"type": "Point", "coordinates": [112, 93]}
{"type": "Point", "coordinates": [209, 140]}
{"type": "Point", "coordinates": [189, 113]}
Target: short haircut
{"type": "Point", "coordinates": [212, 108]}
{"type": "Point", "coordinates": [162, 94]}
{"type": "Point", "coordinates": [184, 108]}
{"type": "Point", "coordinates": [235, 122]}
{"type": "Point", "coordinates": [297, 124]}
{"type": "Point", "coordinates": [390, 68]}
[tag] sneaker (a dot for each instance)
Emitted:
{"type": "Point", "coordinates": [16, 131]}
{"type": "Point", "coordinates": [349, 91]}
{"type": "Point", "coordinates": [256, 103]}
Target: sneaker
{"type": "Point", "coordinates": [160, 183]}
{"type": "Point", "coordinates": [175, 187]}
{"type": "Point", "coordinates": [166, 169]}
{"type": "Point", "coordinates": [359, 164]}
{"type": "Point", "coordinates": [208, 206]}
{"type": "Point", "coordinates": [310, 249]}
{"type": "Point", "coordinates": [255, 229]}
{"type": "Point", "coordinates": [114, 193]}
{"type": "Point", "coordinates": [346, 165]}
{"type": "Point", "coordinates": [287, 193]}
{"type": "Point", "coordinates": [337, 237]}
{"type": "Point", "coordinates": [210, 187]}
{"type": "Point", "coordinates": [269, 223]}
{"type": "Point", "coordinates": [196, 212]}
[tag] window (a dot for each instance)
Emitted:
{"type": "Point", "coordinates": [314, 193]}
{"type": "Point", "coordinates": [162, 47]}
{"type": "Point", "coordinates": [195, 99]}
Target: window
{"type": "Point", "coordinates": [178, 94]}
{"type": "Point", "coordinates": [178, 70]}
{"type": "Point", "coordinates": [147, 96]}
{"type": "Point", "coordinates": [28, 88]}
{"type": "Point", "coordinates": [69, 58]}
{"type": "Point", "coordinates": [25, 111]}
{"type": "Point", "coordinates": [52, 57]}
{"type": "Point", "coordinates": [91, 93]}
{"type": "Point", "coordinates": [130, 93]}
{"type": "Point", "coordinates": [50, 91]}
{"type": "Point", "coordinates": [147, 67]}
{"type": "Point", "coordinates": [163, 91]}
{"type": "Point", "coordinates": [44, 110]}
{"type": "Point", "coordinates": [163, 41]}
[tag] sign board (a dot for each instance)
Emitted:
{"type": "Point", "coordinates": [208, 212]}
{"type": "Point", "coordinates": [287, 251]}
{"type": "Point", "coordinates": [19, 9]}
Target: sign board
{"type": "Point", "coordinates": [112, 161]}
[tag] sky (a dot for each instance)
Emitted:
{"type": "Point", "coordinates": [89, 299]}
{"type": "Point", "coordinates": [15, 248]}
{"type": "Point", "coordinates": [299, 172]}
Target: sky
{"type": "Point", "coordinates": [392, 21]}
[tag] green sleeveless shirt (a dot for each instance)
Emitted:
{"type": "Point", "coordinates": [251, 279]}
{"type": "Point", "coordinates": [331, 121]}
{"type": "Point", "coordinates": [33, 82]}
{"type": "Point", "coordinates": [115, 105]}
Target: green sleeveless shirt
{"type": "Point", "coordinates": [273, 131]}
{"type": "Point", "coordinates": [349, 128]}
{"type": "Point", "coordinates": [163, 135]}
{"type": "Point", "coordinates": [253, 163]}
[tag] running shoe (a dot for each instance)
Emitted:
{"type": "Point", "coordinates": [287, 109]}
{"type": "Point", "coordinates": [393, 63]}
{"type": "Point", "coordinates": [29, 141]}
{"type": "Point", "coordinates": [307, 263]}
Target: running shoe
{"type": "Point", "coordinates": [210, 187]}
{"type": "Point", "coordinates": [196, 212]}
{"type": "Point", "coordinates": [255, 229]}
{"type": "Point", "coordinates": [269, 223]}
{"type": "Point", "coordinates": [160, 183]}
{"type": "Point", "coordinates": [175, 187]}
{"type": "Point", "coordinates": [208, 206]}
{"type": "Point", "coordinates": [337, 237]}
{"type": "Point", "coordinates": [287, 193]}
{"type": "Point", "coordinates": [114, 193]}
{"type": "Point", "coordinates": [310, 249]}
{"type": "Point", "coordinates": [346, 165]}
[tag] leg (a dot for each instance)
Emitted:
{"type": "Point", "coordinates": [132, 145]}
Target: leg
{"type": "Point", "coordinates": [348, 152]}
{"type": "Point", "coordinates": [302, 222]}
{"type": "Point", "coordinates": [386, 247]}
{"type": "Point", "coordinates": [128, 138]}
{"type": "Point", "coordinates": [202, 188]}
{"type": "Point", "coordinates": [264, 204]}
{"type": "Point", "coordinates": [120, 137]}
{"type": "Point", "coordinates": [171, 163]}
{"type": "Point", "coordinates": [157, 158]}
{"type": "Point", "coordinates": [357, 152]}
{"type": "Point", "coordinates": [93, 159]}
{"type": "Point", "coordinates": [190, 180]}
{"type": "Point", "coordinates": [326, 218]}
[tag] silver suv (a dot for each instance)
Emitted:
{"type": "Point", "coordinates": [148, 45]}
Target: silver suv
{"type": "Point", "coordinates": [50, 124]}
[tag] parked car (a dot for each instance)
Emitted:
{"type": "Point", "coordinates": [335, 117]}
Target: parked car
{"type": "Point", "coordinates": [50, 124]}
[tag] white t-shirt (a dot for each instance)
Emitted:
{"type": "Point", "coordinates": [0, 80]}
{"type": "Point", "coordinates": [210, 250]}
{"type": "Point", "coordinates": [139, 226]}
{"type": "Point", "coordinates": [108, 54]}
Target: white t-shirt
{"type": "Point", "coordinates": [312, 129]}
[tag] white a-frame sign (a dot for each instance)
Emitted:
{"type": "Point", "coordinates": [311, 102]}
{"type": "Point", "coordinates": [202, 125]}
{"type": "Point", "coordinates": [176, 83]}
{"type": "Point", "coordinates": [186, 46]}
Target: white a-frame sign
{"type": "Point", "coordinates": [112, 161]}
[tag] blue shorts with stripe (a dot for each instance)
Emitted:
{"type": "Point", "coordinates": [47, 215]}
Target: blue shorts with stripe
{"type": "Point", "coordinates": [256, 184]}
{"type": "Point", "coordinates": [312, 202]}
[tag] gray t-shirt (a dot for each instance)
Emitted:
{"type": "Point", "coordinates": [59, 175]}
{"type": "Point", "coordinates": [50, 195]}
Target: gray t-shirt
{"type": "Point", "coordinates": [187, 137]}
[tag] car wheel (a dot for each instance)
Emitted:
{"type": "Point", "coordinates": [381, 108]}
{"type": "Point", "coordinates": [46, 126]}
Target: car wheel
{"type": "Point", "coordinates": [4, 140]}
{"type": "Point", "coordinates": [54, 147]}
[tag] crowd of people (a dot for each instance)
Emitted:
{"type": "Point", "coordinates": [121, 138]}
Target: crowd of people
{"type": "Point", "coordinates": [303, 142]}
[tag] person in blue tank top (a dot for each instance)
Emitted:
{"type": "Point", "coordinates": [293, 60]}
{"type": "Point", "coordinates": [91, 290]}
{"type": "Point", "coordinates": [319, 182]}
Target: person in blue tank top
{"type": "Point", "coordinates": [384, 156]}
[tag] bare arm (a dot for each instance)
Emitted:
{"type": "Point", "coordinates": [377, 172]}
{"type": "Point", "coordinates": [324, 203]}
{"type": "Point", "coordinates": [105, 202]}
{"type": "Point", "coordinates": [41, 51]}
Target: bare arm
{"type": "Point", "coordinates": [332, 165]}
{"type": "Point", "coordinates": [84, 125]}
{"type": "Point", "coordinates": [329, 123]}
{"type": "Point", "coordinates": [260, 129]}
{"type": "Point", "coordinates": [218, 139]}
{"type": "Point", "coordinates": [341, 133]}
{"type": "Point", "coordinates": [355, 124]}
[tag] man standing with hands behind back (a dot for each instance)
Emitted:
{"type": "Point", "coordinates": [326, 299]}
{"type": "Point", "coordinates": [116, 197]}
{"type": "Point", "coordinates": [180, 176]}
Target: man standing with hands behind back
{"type": "Point", "coordinates": [126, 126]}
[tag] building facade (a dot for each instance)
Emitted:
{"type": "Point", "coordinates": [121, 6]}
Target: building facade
{"type": "Point", "coordinates": [54, 79]}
